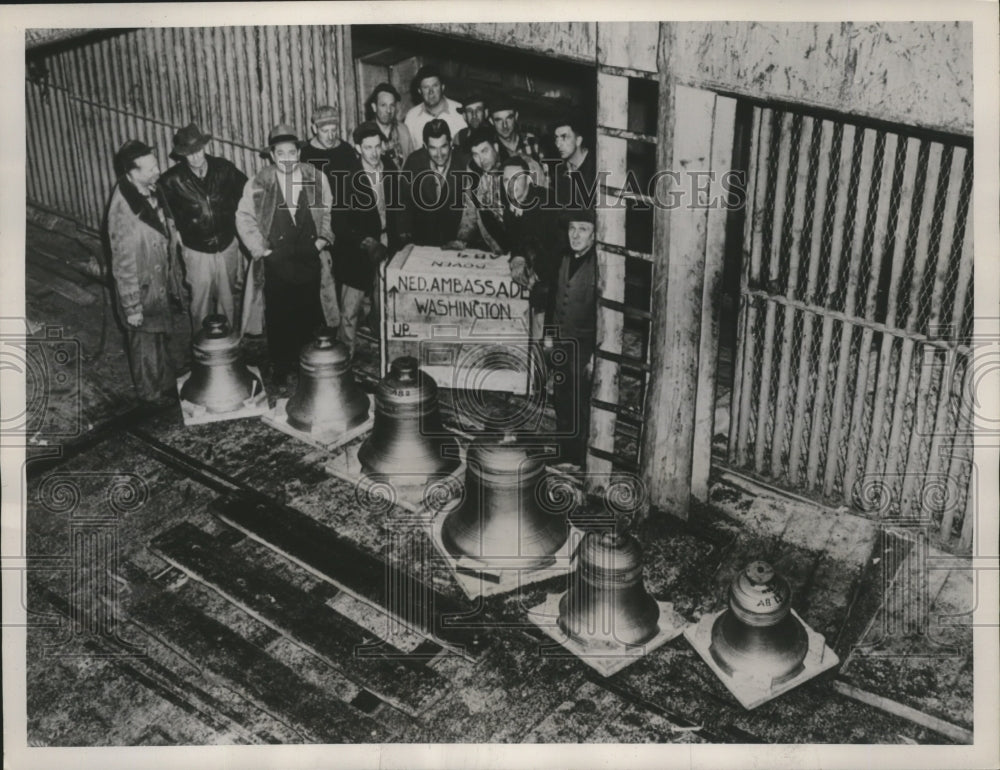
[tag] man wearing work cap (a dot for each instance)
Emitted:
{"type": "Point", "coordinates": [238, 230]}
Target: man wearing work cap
{"type": "Point", "coordinates": [147, 276]}
{"type": "Point", "coordinates": [203, 192]}
{"type": "Point", "coordinates": [284, 222]}
{"type": "Point", "coordinates": [573, 314]}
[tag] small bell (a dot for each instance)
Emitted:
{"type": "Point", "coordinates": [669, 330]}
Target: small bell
{"type": "Point", "coordinates": [408, 443]}
{"type": "Point", "coordinates": [758, 636]}
{"type": "Point", "coordinates": [326, 398]}
{"type": "Point", "coordinates": [219, 381]}
{"type": "Point", "coordinates": [607, 604]}
{"type": "Point", "coordinates": [503, 520]}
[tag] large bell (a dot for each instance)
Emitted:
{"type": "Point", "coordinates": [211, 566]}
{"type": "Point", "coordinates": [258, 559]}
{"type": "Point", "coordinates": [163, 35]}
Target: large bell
{"type": "Point", "coordinates": [503, 520]}
{"type": "Point", "coordinates": [408, 443]}
{"type": "Point", "coordinates": [219, 381]}
{"type": "Point", "coordinates": [758, 635]}
{"type": "Point", "coordinates": [326, 398]}
{"type": "Point", "coordinates": [607, 604]}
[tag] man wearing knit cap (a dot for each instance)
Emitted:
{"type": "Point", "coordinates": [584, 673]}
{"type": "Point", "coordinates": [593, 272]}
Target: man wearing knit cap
{"type": "Point", "coordinates": [284, 221]}
{"type": "Point", "coordinates": [336, 159]}
{"type": "Point", "coordinates": [203, 192]}
{"type": "Point", "coordinates": [573, 314]}
{"type": "Point", "coordinates": [147, 276]}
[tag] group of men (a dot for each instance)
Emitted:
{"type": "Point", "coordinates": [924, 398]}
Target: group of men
{"type": "Point", "coordinates": [324, 214]}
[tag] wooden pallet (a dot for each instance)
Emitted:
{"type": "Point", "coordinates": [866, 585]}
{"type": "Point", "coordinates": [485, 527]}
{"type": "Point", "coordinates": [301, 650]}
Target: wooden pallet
{"type": "Point", "coordinates": [327, 440]}
{"type": "Point", "coordinates": [194, 414]}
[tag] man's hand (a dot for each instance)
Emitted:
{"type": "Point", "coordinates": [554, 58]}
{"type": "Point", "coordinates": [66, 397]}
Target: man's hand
{"type": "Point", "coordinates": [134, 319]}
{"type": "Point", "coordinates": [453, 246]}
{"type": "Point", "coordinates": [264, 254]}
{"type": "Point", "coordinates": [321, 244]}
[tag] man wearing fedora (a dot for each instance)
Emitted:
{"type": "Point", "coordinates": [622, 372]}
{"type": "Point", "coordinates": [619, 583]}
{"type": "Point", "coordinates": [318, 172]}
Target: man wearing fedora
{"type": "Point", "coordinates": [143, 240]}
{"type": "Point", "coordinates": [203, 192]}
{"type": "Point", "coordinates": [283, 220]}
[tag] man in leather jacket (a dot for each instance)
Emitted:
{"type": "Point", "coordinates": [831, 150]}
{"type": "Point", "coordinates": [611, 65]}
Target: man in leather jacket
{"type": "Point", "coordinates": [203, 192]}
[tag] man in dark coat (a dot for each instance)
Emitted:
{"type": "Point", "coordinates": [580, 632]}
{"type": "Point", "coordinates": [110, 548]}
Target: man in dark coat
{"type": "Point", "coordinates": [203, 192]}
{"type": "Point", "coordinates": [146, 272]}
{"type": "Point", "coordinates": [284, 219]}
{"type": "Point", "coordinates": [432, 191]}
{"type": "Point", "coordinates": [573, 314]}
{"type": "Point", "coordinates": [574, 178]}
{"type": "Point", "coordinates": [368, 230]}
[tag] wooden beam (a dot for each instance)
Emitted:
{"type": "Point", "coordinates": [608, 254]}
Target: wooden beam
{"type": "Point", "coordinates": [687, 245]}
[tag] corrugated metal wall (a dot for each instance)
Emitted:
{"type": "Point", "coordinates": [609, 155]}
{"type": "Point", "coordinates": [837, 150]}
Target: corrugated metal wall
{"type": "Point", "coordinates": [84, 100]}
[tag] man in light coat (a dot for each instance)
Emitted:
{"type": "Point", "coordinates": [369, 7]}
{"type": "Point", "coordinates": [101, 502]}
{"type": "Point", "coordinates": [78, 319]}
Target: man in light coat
{"type": "Point", "coordinates": [283, 219]}
{"type": "Point", "coordinates": [145, 268]}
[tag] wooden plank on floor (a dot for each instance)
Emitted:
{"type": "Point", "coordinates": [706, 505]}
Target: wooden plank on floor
{"type": "Point", "coordinates": [302, 617]}
{"type": "Point", "coordinates": [323, 552]}
{"type": "Point", "coordinates": [67, 289]}
{"type": "Point", "coordinates": [317, 716]}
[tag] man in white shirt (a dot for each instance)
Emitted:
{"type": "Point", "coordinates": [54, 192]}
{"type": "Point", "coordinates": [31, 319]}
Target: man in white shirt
{"type": "Point", "coordinates": [435, 104]}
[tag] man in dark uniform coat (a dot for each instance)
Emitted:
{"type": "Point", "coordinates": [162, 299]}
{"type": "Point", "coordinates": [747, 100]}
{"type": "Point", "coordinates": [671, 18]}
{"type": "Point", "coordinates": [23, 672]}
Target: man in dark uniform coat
{"type": "Point", "coordinates": [573, 314]}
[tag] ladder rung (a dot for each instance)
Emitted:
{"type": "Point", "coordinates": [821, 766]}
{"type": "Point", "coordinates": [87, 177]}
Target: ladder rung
{"type": "Point", "coordinates": [622, 412]}
{"type": "Point", "coordinates": [626, 310]}
{"type": "Point", "coordinates": [626, 362]}
{"type": "Point", "coordinates": [615, 459]}
{"type": "Point", "coordinates": [621, 251]}
{"type": "Point", "coordinates": [624, 133]}
{"type": "Point", "coordinates": [626, 72]}
{"type": "Point", "coordinates": [619, 193]}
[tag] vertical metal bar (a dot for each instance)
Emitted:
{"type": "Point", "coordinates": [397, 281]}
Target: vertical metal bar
{"type": "Point", "coordinates": [84, 140]}
{"type": "Point", "coordinates": [764, 402]}
{"type": "Point", "coordinates": [176, 71]}
{"type": "Point", "coordinates": [739, 382]}
{"type": "Point", "coordinates": [236, 66]}
{"type": "Point", "coordinates": [961, 455]}
{"type": "Point", "coordinates": [274, 76]}
{"type": "Point", "coordinates": [964, 396]}
{"type": "Point", "coordinates": [907, 201]}
{"type": "Point", "coordinates": [293, 39]}
{"type": "Point", "coordinates": [866, 137]}
{"type": "Point", "coordinates": [824, 131]}
{"type": "Point", "coordinates": [138, 51]}
{"type": "Point", "coordinates": [104, 148]}
{"type": "Point", "coordinates": [901, 226]}
{"type": "Point", "coordinates": [905, 360]}
{"type": "Point", "coordinates": [254, 86]}
{"type": "Point", "coordinates": [784, 394]}
{"type": "Point", "coordinates": [751, 274]}
{"type": "Point", "coordinates": [928, 354]}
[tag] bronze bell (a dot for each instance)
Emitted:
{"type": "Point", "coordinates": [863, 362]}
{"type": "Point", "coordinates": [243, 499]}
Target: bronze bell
{"type": "Point", "coordinates": [219, 381]}
{"type": "Point", "coordinates": [758, 635]}
{"type": "Point", "coordinates": [408, 443]}
{"type": "Point", "coordinates": [607, 604]}
{"type": "Point", "coordinates": [326, 397]}
{"type": "Point", "coordinates": [503, 520]}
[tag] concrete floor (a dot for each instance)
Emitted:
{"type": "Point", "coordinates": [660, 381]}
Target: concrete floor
{"type": "Point", "coordinates": [181, 661]}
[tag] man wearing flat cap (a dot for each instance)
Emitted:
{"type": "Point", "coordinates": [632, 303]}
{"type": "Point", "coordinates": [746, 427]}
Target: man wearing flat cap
{"type": "Point", "coordinates": [283, 220]}
{"type": "Point", "coordinates": [203, 192]}
{"type": "Point", "coordinates": [573, 314]}
{"type": "Point", "coordinates": [143, 245]}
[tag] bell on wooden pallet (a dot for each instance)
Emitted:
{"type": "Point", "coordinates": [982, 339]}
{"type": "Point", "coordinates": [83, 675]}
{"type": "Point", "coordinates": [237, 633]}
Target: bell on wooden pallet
{"type": "Point", "coordinates": [758, 636]}
{"type": "Point", "coordinates": [408, 442]}
{"type": "Point", "coordinates": [219, 381]}
{"type": "Point", "coordinates": [503, 520]}
{"type": "Point", "coordinates": [607, 604]}
{"type": "Point", "coordinates": [326, 398]}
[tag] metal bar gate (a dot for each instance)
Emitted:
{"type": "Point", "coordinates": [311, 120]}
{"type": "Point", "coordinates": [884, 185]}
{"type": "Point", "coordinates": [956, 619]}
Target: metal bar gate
{"type": "Point", "coordinates": [854, 334]}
